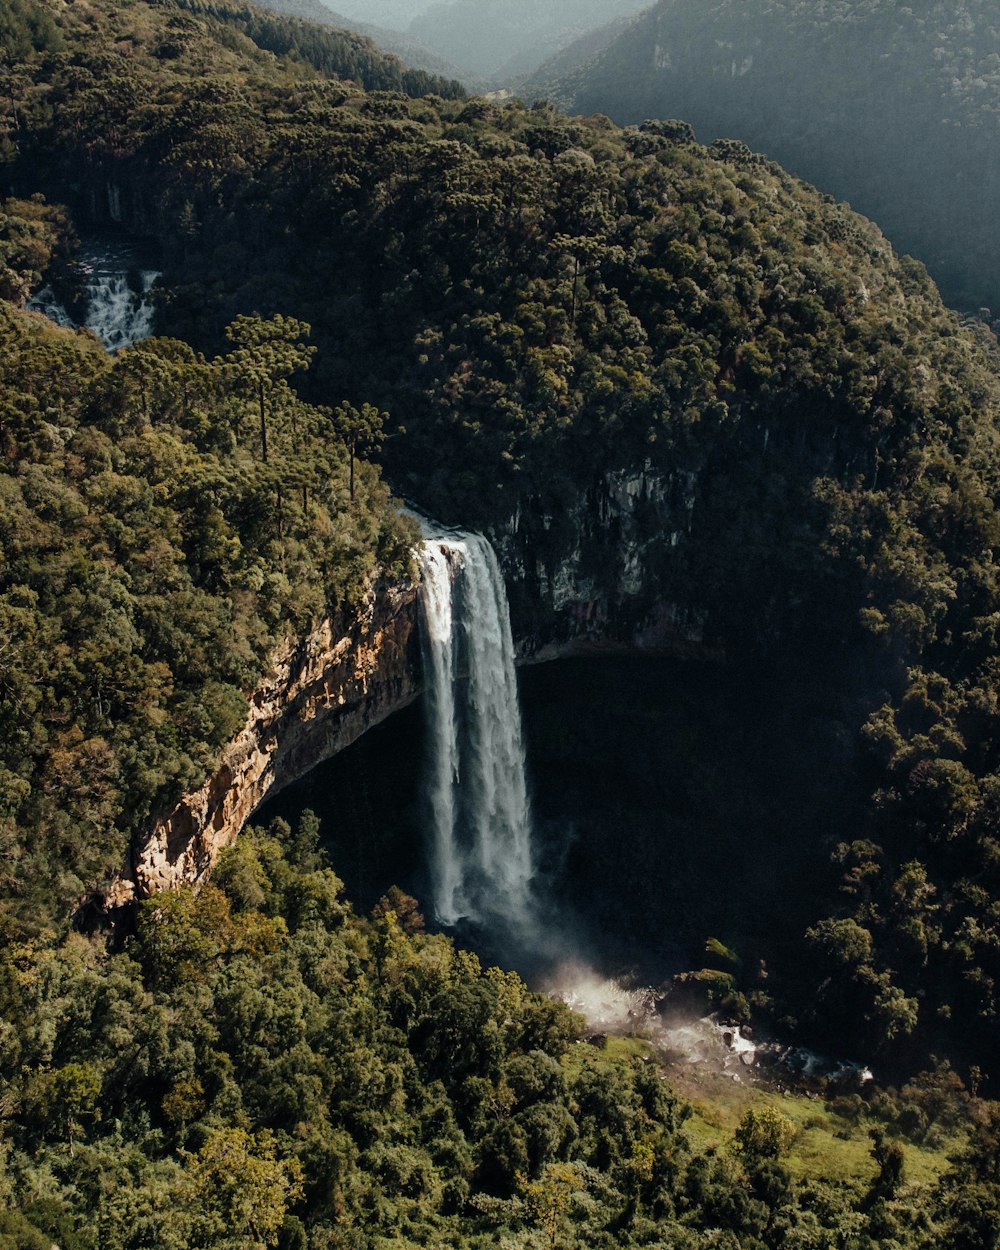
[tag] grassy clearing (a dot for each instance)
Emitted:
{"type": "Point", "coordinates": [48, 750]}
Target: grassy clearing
{"type": "Point", "coordinates": [825, 1147]}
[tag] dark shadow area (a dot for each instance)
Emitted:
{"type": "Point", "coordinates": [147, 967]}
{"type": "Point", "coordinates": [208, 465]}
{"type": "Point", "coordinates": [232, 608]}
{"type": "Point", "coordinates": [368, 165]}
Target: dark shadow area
{"type": "Point", "coordinates": [368, 800]}
{"type": "Point", "coordinates": [674, 801]}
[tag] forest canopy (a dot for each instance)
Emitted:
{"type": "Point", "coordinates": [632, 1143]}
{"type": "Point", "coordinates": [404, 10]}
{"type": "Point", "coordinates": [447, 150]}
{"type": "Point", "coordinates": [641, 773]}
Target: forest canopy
{"type": "Point", "coordinates": [891, 106]}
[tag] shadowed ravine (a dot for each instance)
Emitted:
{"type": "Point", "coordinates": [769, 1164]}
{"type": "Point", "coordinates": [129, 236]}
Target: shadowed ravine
{"type": "Point", "coordinates": [646, 803]}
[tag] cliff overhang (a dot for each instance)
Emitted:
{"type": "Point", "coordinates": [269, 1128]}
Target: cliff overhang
{"type": "Point", "coordinates": [359, 666]}
{"type": "Point", "coordinates": [323, 692]}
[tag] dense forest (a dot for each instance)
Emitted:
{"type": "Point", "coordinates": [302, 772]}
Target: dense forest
{"type": "Point", "coordinates": [260, 1067]}
{"type": "Point", "coordinates": [533, 301]}
{"type": "Point", "coordinates": [890, 106]}
{"type": "Point", "coordinates": [152, 559]}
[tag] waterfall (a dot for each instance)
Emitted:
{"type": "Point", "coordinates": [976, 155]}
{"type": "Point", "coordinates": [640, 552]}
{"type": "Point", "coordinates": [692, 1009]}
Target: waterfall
{"type": "Point", "coordinates": [47, 302]}
{"type": "Point", "coordinates": [118, 315]}
{"type": "Point", "coordinates": [478, 796]}
{"type": "Point", "coordinates": [439, 659]}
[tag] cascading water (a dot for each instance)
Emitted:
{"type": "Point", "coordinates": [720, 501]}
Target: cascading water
{"type": "Point", "coordinates": [47, 302]}
{"type": "Point", "coordinates": [478, 795]}
{"type": "Point", "coordinates": [118, 313]}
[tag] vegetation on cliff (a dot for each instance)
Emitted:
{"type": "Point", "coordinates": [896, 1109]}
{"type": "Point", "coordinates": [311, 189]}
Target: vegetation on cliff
{"type": "Point", "coordinates": [888, 105]}
{"type": "Point", "coordinates": [152, 558]}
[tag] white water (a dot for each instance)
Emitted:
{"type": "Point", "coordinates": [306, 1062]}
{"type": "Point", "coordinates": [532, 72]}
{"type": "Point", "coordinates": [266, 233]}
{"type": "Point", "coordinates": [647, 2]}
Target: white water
{"type": "Point", "coordinates": [480, 815]}
{"type": "Point", "coordinates": [45, 301]}
{"type": "Point", "coordinates": [117, 314]}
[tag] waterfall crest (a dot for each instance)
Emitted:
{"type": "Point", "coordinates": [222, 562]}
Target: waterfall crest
{"type": "Point", "coordinates": [477, 792]}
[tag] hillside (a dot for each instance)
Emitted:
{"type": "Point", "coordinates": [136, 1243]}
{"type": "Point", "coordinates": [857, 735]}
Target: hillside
{"type": "Point", "coordinates": [536, 308]}
{"type": "Point", "coordinates": [888, 106]}
{"type": "Point", "coordinates": [152, 562]}
{"type": "Point", "coordinates": [413, 54]}
{"type": "Point", "coordinates": [554, 79]}
{"type": "Point", "coordinates": [388, 14]}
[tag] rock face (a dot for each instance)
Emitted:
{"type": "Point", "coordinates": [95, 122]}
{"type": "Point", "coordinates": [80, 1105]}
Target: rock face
{"type": "Point", "coordinates": [589, 580]}
{"type": "Point", "coordinates": [590, 591]}
{"type": "Point", "coordinates": [324, 692]}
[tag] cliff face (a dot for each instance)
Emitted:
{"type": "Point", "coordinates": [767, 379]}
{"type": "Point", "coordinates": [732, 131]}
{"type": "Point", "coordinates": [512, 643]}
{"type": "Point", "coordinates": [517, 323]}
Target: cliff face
{"type": "Point", "coordinates": [323, 692]}
{"type": "Point", "coordinates": [590, 580]}
{"type": "Point", "coordinates": [588, 590]}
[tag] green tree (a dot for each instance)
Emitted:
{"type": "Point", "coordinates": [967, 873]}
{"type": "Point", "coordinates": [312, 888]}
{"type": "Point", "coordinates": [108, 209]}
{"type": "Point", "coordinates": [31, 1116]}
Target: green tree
{"type": "Point", "coordinates": [763, 1133]}
{"type": "Point", "coordinates": [239, 1191]}
{"type": "Point", "coordinates": [548, 1199]}
{"type": "Point", "coordinates": [265, 354]}
{"type": "Point", "coordinates": [362, 429]}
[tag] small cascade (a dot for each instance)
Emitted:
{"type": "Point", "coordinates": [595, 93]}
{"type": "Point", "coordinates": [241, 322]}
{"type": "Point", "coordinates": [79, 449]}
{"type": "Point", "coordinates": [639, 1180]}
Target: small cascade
{"type": "Point", "coordinates": [118, 314]}
{"type": "Point", "coordinates": [46, 301]}
{"type": "Point", "coordinates": [478, 796]}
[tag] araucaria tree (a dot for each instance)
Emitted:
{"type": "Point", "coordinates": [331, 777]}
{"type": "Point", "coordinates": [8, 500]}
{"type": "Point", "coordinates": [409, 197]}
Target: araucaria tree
{"type": "Point", "coordinates": [266, 353]}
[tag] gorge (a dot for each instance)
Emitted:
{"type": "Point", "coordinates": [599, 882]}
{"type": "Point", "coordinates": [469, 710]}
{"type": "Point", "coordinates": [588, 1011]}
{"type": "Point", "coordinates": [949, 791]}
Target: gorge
{"type": "Point", "coordinates": [739, 468]}
{"type": "Point", "coordinates": [624, 723]}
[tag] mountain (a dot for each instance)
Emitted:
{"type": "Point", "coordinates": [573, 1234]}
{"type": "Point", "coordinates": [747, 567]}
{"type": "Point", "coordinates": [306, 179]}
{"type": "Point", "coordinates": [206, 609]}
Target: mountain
{"type": "Point", "coordinates": [394, 42]}
{"type": "Point", "coordinates": [386, 14]}
{"type": "Point", "coordinates": [553, 78]}
{"type": "Point", "coordinates": [893, 107]}
{"type": "Point", "coordinates": [509, 38]}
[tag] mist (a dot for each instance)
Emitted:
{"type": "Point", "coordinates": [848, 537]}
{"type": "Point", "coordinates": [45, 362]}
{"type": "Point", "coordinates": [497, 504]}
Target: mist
{"type": "Point", "coordinates": [498, 43]}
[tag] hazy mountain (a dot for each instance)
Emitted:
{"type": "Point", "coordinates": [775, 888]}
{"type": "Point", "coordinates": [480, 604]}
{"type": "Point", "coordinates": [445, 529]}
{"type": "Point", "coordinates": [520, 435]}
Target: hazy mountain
{"type": "Point", "coordinates": [394, 14]}
{"type": "Point", "coordinates": [895, 108]}
{"type": "Point", "coordinates": [510, 38]}
{"type": "Point", "coordinates": [555, 78]}
{"type": "Point", "coordinates": [415, 54]}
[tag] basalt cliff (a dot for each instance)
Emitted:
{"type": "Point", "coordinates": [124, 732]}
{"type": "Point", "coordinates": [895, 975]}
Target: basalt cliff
{"type": "Point", "coordinates": [360, 666]}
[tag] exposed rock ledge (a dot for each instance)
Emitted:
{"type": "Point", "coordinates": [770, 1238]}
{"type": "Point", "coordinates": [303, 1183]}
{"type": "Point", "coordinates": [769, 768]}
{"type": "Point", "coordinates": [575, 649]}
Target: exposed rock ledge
{"type": "Point", "coordinates": [355, 669]}
{"type": "Point", "coordinates": [324, 692]}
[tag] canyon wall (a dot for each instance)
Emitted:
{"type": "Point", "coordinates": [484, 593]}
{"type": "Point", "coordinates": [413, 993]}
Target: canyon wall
{"type": "Point", "coordinates": [589, 590]}
{"type": "Point", "coordinates": [590, 580]}
{"type": "Point", "coordinates": [323, 692]}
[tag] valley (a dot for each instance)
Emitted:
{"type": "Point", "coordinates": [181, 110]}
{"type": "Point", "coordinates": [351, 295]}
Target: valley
{"type": "Point", "coordinates": [610, 862]}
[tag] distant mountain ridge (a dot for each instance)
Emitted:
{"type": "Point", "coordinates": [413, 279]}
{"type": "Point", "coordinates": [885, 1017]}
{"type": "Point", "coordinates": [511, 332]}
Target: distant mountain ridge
{"type": "Point", "coordinates": [484, 48]}
{"type": "Point", "coordinates": [554, 80]}
{"type": "Point", "coordinates": [509, 38]}
{"type": "Point", "coordinates": [394, 42]}
{"type": "Point", "coordinates": [895, 108]}
{"type": "Point", "coordinates": [394, 15]}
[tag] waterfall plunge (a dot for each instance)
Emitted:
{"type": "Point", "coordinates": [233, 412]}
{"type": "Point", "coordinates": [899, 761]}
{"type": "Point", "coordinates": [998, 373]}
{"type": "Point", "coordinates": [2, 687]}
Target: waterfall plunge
{"type": "Point", "coordinates": [481, 821]}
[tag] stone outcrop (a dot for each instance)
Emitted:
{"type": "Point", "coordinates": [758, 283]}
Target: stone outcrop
{"type": "Point", "coordinates": [323, 692]}
{"type": "Point", "coordinates": [587, 581]}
